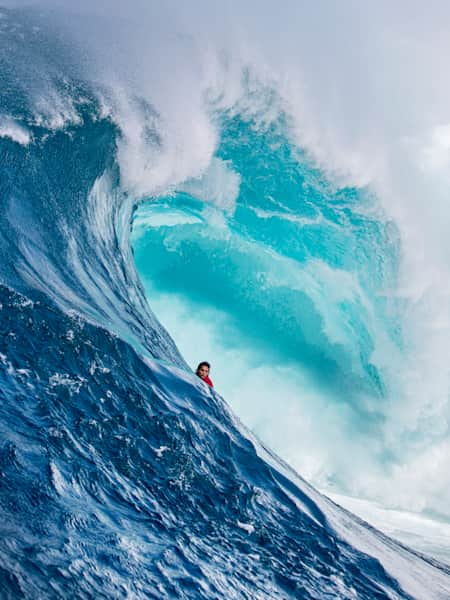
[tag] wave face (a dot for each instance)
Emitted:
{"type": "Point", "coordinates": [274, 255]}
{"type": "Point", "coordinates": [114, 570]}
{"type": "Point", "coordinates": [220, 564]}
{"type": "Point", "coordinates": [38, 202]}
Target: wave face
{"type": "Point", "coordinates": [121, 474]}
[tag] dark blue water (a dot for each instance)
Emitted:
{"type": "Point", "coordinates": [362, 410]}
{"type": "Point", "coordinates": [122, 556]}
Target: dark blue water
{"type": "Point", "coordinates": [121, 474]}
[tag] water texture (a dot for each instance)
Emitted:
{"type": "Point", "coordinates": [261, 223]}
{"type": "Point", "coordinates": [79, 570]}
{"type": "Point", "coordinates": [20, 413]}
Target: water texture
{"type": "Point", "coordinates": [121, 474]}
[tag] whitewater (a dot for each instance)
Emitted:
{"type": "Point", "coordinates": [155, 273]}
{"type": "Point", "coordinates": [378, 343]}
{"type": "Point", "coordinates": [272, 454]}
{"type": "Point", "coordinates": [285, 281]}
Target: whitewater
{"type": "Point", "coordinates": [264, 187]}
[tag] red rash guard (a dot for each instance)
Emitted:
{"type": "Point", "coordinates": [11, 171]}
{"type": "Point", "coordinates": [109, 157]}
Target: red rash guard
{"type": "Point", "coordinates": [208, 381]}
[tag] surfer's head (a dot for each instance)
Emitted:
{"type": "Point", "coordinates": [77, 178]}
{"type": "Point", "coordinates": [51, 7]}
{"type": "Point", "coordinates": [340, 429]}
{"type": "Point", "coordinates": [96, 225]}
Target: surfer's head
{"type": "Point", "coordinates": [203, 369]}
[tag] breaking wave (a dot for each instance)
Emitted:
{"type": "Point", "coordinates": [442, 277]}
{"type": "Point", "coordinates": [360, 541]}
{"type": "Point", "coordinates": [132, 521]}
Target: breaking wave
{"type": "Point", "coordinates": [129, 143]}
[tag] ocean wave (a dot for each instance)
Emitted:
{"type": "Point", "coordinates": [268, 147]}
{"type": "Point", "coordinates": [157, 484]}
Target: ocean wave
{"type": "Point", "coordinates": [122, 473]}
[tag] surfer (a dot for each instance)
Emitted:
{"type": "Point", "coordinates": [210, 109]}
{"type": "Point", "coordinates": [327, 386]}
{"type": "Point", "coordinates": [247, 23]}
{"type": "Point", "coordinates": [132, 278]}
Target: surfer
{"type": "Point", "coordinates": [203, 372]}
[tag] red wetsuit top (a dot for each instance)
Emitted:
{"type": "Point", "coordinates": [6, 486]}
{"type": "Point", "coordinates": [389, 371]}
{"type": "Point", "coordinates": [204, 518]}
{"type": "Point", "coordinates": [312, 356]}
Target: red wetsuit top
{"type": "Point", "coordinates": [208, 381]}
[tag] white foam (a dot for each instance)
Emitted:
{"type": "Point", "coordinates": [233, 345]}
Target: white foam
{"type": "Point", "coordinates": [59, 482]}
{"type": "Point", "coordinates": [160, 451]}
{"type": "Point", "coordinates": [55, 111]}
{"type": "Point", "coordinates": [73, 384]}
{"type": "Point", "coordinates": [417, 531]}
{"type": "Point", "coordinates": [169, 218]}
{"type": "Point", "coordinates": [248, 527]}
{"type": "Point", "coordinates": [14, 131]}
{"type": "Point", "coordinates": [218, 185]}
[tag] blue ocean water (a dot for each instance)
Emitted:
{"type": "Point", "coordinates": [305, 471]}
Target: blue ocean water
{"type": "Point", "coordinates": [122, 474]}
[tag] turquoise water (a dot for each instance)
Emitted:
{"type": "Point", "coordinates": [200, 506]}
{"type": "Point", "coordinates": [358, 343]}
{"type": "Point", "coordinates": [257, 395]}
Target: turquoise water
{"type": "Point", "coordinates": [281, 277]}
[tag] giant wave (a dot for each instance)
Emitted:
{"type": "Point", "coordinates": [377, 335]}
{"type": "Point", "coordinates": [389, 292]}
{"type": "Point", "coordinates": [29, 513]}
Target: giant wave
{"type": "Point", "coordinates": [121, 475]}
